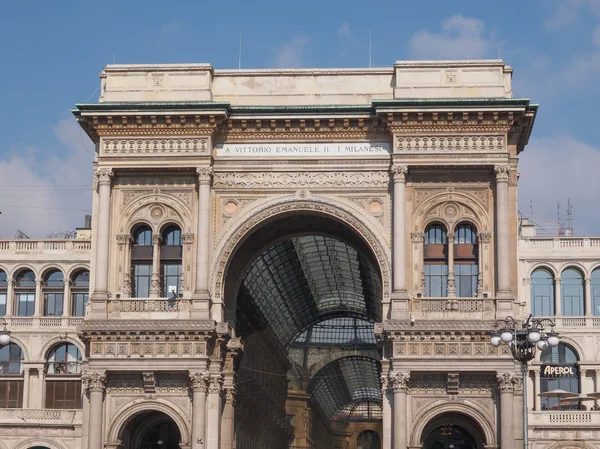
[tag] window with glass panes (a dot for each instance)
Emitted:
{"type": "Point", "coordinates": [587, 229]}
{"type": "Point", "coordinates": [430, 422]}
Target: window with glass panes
{"type": "Point", "coordinates": [595, 290]}
{"type": "Point", "coordinates": [3, 292]}
{"type": "Point", "coordinates": [561, 355]}
{"type": "Point", "coordinates": [11, 380]}
{"type": "Point", "coordinates": [141, 262]}
{"type": "Point", "coordinates": [63, 384]}
{"type": "Point", "coordinates": [571, 285]}
{"type": "Point", "coordinates": [542, 293]}
{"type": "Point", "coordinates": [170, 261]}
{"type": "Point", "coordinates": [53, 293]}
{"type": "Point", "coordinates": [25, 293]}
{"type": "Point", "coordinates": [466, 268]}
{"type": "Point", "coordinates": [435, 254]}
{"type": "Point", "coordinates": [80, 293]}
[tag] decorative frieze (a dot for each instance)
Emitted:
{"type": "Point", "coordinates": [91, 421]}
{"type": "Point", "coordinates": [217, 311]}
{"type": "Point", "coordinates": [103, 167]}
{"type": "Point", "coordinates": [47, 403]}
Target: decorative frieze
{"type": "Point", "coordinates": [494, 143]}
{"type": "Point", "coordinates": [295, 180]}
{"type": "Point", "coordinates": [154, 147]}
{"type": "Point", "coordinates": [173, 349]}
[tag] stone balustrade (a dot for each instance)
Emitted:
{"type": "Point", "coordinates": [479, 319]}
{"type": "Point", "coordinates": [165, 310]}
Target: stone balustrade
{"type": "Point", "coordinates": [560, 244]}
{"type": "Point", "coordinates": [149, 308]}
{"type": "Point", "coordinates": [42, 322]}
{"type": "Point", "coordinates": [575, 322]}
{"type": "Point", "coordinates": [444, 308]}
{"type": "Point", "coordinates": [564, 419]}
{"type": "Point", "coordinates": [46, 245]}
{"type": "Point", "coordinates": [40, 417]}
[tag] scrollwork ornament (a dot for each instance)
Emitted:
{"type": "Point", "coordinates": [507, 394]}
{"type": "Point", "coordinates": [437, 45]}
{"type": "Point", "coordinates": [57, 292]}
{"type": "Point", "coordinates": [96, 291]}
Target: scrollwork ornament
{"type": "Point", "coordinates": [94, 380]}
{"type": "Point", "coordinates": [399, 173]}
{"type": "Point", "coordinates": [506, 382]}
{"type": "Point", "coordinates": [199, 380]}
{"type": "Point", "coordinates": [204, 174]}
{"type": "Point", "coordinates": [102, 176]}
{"type": "Point", "coordinates": [399, 381]}
{"type": "Point", "coordinates": [501, 172]}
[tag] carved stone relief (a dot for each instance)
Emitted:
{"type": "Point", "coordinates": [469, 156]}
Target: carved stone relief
{"type": "Point", "coordinates": [150, 147]}
{"type": "Point", "coordinates": [479, 194]}
{"type": "Point", "coordinates": [451, 143]}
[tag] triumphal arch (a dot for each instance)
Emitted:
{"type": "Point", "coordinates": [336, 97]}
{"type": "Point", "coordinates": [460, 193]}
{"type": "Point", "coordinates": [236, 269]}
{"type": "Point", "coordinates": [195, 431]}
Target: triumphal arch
{"type": "Point", "coordinates": [303, 258]}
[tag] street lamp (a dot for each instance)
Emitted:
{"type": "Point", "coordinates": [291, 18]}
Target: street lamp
{"type": "Point", "coordinates": [4, 334]}
{"type": "Point", "coordinates": [523, 339]}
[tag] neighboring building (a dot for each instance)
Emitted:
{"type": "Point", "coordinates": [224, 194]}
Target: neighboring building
{"type": "Point", "coordinates": [290, 258]}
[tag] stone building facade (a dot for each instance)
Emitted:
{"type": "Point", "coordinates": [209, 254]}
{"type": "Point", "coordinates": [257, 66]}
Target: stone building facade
{"type": "Point", "coordinates": [287, 258]}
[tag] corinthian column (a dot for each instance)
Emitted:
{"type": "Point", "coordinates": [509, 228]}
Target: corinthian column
{"type": "Point", "coordinates": [399, 228]}
{"type": "Point", "coordinates": [94, 381]}
{"type": "Point", "coordinates": [506, 383]}
{"type": "Point", "coordinates": [102, 181]}
{"type": "Point", "coordinates": [202, 263]}
{"type": "Point", "coordinates": [399, 383]}
{"type": "Point", "coordinates": [199, 381]}
{"type": "Point", "coordinates": [213, 418]}
{"type": "Point", "coordinates": [502, 233]}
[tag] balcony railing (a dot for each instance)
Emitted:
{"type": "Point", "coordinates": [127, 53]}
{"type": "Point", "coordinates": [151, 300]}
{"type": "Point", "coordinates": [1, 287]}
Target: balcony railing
{"type": "Point", "coordinates": [40, 416]}
{"type": "Point", "coordinates": [565, 418]}
{"type": "Point", "coordinates": [571, 322]}
{"type": "Point", "coordinates": [134, 308]}
{"type": "Point", "coordinates": [43, 322]}
{"type": "Point", "coordinates": [561, 244]}
{"type": "Point", "coordinates": [475, 308]}
{"type": "Point", "coordinates": [49, 245]}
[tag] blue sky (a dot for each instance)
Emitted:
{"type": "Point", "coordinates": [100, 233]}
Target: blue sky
{"type": "Point", "coordinates": [51, 54]}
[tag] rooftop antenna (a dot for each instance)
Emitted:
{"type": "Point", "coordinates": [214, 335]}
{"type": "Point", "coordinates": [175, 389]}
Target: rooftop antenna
{"type": "Point", "coordinates": [240, 54]}
{"type": "Point", "coordinates": [370, 65]}
{"type": "Point", "coordinates": [569, 217]}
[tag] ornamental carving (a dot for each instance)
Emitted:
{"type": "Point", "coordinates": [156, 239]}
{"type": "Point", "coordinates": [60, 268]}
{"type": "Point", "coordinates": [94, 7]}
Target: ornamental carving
{"type": "Point", "coordinates": [399, 381]}
{"type": "Point", "coordinates": [506, 382]}
{"type": "Point", "coordinates": [417, 237]}
{"type": "Point", "coordinates": [485, 237]}
{"type": "Point", "coordinates": [94, 380]}
{"type": "Point", "coordinates": [295, 180]}
{"type": "Point", "coordinates": [501, 172]}
{"type": "Point", "coordinates": [513, 177]}
{"type": "Point", "coordinates": [151, 147]}
{"type": "Point", "coordinates": [215, 383]}
{"type": "Point", "coordinates": [451, 143]}
{"type": "Point", "coordinates": [230, 394]}
{"type": "Point", "coordinates": [102, 176]}
{"type": "Point", "coordinates": [199, 380]}
{"type": "Point", "coordinates": [399, 173]}
{"type": "Point", "coordinates": [204, 174]}
{"type": "Point", "coordinates": [123, 238]}
{"type": "Point", "coordinates": [479, 195]}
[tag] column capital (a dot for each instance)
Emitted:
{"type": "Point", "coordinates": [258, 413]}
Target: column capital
{"type": "Point", "coordinates": [399, 173]}
{"type": "Point", "coordinates": [123, 238]}
{"type": "Point", "coordinates": [230, 394]}
{"type": "Point", "coordinates": [417, 237]}
{"type": "Point", "coordinates": [199, 380]}
{"type": "Point", "coordinates": [501, 172]}
{"type": "Point", "coordinates": [102, 176]}
{"type": "Point", "coordinates": [399, 381]}
{"type": "Point", "coordinates": [507, 382]}
{"type": "Point", "coordinates": [450, 238]}
{"type": "Point", "coordinates": [188, 237]}
{"type": "Point", "coordinates": [94, 380]}
{"type": "Point", "coordinates": [204, 175]}
{"type": "Point", "coordinates": [485, 237]}
{"type": "Point", "coordinates": [215, 383]}
{"type": "Point", "coordinates": [156, 239]}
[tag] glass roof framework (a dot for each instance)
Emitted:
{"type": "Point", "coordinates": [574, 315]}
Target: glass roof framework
{"type": "Point", "coordinates": [360, 411]}
{"type": "Point", "coordinates": [344, 383]}
{"type": "Point", "coordinates": [304, 280]}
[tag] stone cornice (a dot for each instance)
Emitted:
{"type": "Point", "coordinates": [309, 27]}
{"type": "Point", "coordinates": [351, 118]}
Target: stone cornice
{"type": "Point", "coordinates": [132, 327]}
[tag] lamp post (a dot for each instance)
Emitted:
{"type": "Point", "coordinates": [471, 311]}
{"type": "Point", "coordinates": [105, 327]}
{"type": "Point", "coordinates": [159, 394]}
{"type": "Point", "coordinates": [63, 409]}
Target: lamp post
{"type": "Point", "coordinates": [4, 334]}
{"type": "Point", "coordinates": [523, 339]}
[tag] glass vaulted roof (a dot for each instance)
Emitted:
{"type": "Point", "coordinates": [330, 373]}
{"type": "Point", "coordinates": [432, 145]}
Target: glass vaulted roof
{"type": "Point", "coordinates": [340, 331]}
{"type": "Point", "coordinates": [360, 411]}
{"type": "Point", "coordinates": [346, 382]}
{"type": "Point", "coordinates": [303, 280]}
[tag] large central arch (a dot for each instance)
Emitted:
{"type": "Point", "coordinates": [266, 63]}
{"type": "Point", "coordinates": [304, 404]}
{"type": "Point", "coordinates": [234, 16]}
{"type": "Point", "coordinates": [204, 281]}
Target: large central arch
{"type": "Point", "coordinates": [289, 267]}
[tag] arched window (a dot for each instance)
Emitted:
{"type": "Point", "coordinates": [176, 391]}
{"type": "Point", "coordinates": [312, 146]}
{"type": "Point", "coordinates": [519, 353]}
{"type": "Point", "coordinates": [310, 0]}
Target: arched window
{"type": "Point", "coordinates": [567, 378]}
{"type": "Point", "coordinates": [542, 293]}
{"type": "Point", "coordinates": [170, 261]}
{"type": "Point", "coordinates": [595, 285]}
{"type": "Point", "coordinates": [63, 385]}
{"type": "Point", "coordinates": [80, 292]}
{"type": "Point", "coordinates": [11, 382]}
{"type": "Point", "coordinates": [25, 293]}
{"type": "Point", "coordinates": [54, 288]}
{"type": "Point", "coordinates": [368, 439]}
{"type": "Point", "coordinates": [435, 255]}
{"type": "Point", "coordinates": [3, 292]}
{"type": "Point", "coordinates": [141, 262]}
{"type": "Point", "coordinates": [572, 302]}
{"type": "Point", "coordinates": [466, 267]}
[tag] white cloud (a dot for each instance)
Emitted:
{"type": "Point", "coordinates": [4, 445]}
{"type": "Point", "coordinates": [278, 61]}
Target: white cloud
{"type": "Point", "coordinates": [554, 170]}
{"type": "Point", "coordinates": [344, 31]}
{"type": "Point", "coordinates": [41, 193]}
{"type": "Point", "coordinates": [568, 13]}
{"type": "Point", "coordinates": [461, 38]}
{"type": "Point", "coordinates": [291, 54]}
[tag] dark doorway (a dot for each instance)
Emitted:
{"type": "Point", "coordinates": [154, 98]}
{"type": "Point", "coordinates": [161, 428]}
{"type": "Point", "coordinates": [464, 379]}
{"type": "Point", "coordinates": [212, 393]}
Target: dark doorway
{"type": "Point", "coordinates": [368, 439]}
{"type": "Point", "coordinates": [150, 430]}
{"type": "Point", "coordinates": [453, 431]}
